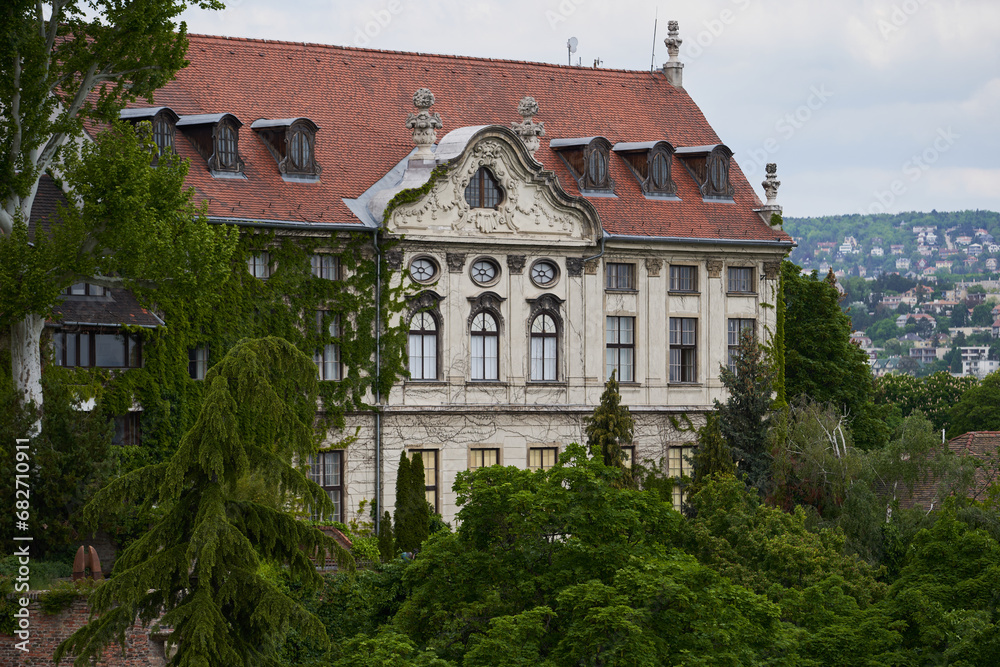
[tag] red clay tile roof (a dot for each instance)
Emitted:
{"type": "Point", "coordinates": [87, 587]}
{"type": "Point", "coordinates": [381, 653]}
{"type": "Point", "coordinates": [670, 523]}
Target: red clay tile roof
{"type": "Point", "coordinates": [360, 99]}
{"type": "Point", "coordinates": [982, 445]}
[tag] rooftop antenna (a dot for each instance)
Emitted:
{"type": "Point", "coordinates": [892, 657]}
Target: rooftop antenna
{"type": "Point", "coordinates": [571, 48]}
{"type": "Point", "coordinates": [652, 58]}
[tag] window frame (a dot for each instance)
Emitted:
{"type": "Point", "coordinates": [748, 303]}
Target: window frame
{"type": "Point", "coordinates": [132, 351]}
{"type": "Point", "coordinates": [318, 474]}
{"type": "Point", "coordinates": [555, 271]}
{"type": "Point", "coordinates": [733, 280]}
{"type": "Point", "coordinates": [675, 278]}
{"type": "Point", "coordinates": [620, 276]}
{"type": "Point", "coordinates": [542, 451]}
{"type": "Point", "coordinates": [325, 266]}
{"type": "Point", "coordinates": [683, 364]}
{"type": "Point", "coordinates": [226, 143]}
{"type": "Point", "coordinates": [259, 265]}
{"type": "Point", "coordinates": [492, 263]}
{"type": "Point", "coordinates": [545, 361]}
{"type": "Point", "coordinates": [733, 345]}
{"type": "Point", "coordinates": [162, 121]}
{"type": "Point", "coordinates": [486, 337]}
{"type": "Point", "coordinates": [423, 335]}
{"type": "Point", "coordinates": [617, 347]}
{"type": "Point", "coordinates": [198, 362]}
{"type": "Point", "coordinates": [482, 189]}
{"type": "Point", "coordinates": [430, 490]}
{"type": "Point", "coordinates": [431, 261]}
{"type": "Point", "coordinates": [327, 357]}
{"type": "Point", "coordinates": [679, 465]}
{"type": "Point", "coordinates": [127, 430]}
{"type": "Point", "coordinates": [477, 457]}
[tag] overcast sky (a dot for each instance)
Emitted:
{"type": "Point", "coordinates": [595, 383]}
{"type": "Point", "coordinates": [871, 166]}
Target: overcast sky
{"type": "Point", "coordinates": [865, 105]}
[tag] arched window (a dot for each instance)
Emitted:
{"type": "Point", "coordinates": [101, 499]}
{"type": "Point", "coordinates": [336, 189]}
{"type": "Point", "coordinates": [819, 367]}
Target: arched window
{"type": "Point", "coordinates": [659, 171]}
{"type": "Point", "coordinates": [597, 168]}
{"type": "Point", "coordinates": [225, 147]}
{"type": "Point", "coordinates": [163, 134]}
{"type": "Point", "coordinates": [300, 149]}
{"type": "Point", "coordinates": [483, 190]}
{"type": "Point", "coordinates": [423, 347]}
{"type": "Point", "coordinates": [485, 347]}
{"type": "Point", "coordinates": [543, 348]}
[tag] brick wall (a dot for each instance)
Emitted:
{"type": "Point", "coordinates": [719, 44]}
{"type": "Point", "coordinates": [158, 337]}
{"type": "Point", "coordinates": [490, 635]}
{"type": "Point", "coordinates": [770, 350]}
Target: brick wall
{"type": "Point", "coordinates": [47, 632]}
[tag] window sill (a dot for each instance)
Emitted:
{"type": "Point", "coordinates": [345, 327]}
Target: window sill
{"type": "Point", "coordinates": [674, 383]}
{"type": "Point", "coordinates": [546, 383]}
{"type": "Point", "coordinates": [622, 290]}
{"type": "Point", "coordinates": [424, 382]}
{"type": "Point", "coordinates": [675, 292]}
{"type": "Point", "coordinates": [631, 384]}
{"type": "Point", "coordinates": [485, 383]}
{"type": "Point", "coordinates": [741, 293]}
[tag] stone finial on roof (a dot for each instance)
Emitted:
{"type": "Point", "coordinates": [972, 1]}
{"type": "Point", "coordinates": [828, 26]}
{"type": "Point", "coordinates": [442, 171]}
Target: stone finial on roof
{"type": "Point", "coordinates": [771, 183]}
{"type": "Point", "coordinates": [424, 123]}
{"type": "Point", "coordinates": [528, 129]}
{"type": "Point", "coordinates": [673, 69]}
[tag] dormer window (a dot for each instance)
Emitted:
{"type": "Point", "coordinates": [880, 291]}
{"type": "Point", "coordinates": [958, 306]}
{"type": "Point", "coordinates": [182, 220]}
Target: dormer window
{"type": "Point", "coordinates": [483, 190]}
{"type": "Point", "coordinates": [216, 137]}
{"type": "Point", "coordinates": [163, 120]}
{"type": "Point", "coordinates": [292, 144]}
{"type": "Point", "coordinates": [650, 163]}
{"type": "Point", "coordinates": [709, 166]}
{"type": "Point", "coordinates": [588, 161]}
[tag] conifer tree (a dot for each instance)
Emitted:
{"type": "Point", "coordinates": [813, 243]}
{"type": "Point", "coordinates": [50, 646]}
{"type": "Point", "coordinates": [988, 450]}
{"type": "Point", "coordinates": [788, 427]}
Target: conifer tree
{"type": "Point", "coordinates": [198, 565]}
{"type": "Point", "coordinates": [610, 427]}
{"type": "Point", "coordinates": [421, 509]}
{"type": "Point", "coordinates": [404, 509]}
{"type": "Point", "coordinates": [712, 454]}
{"type": "Point", "coordinates": [386, 547]}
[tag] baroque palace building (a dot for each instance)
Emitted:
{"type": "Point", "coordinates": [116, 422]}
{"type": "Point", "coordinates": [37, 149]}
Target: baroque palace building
{"type": "Point", "coordinates": [589, 221]}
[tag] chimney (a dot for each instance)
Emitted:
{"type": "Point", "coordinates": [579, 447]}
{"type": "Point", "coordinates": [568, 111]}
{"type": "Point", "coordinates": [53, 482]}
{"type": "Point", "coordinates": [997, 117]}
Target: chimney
{"type": "Point", "coordinates": [673, 69]}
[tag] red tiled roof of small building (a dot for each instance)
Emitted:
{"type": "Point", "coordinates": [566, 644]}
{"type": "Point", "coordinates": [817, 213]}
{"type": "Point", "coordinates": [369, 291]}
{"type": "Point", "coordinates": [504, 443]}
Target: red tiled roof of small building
{"type": "Point", "coordinates": [982, 445]}
{"type": "Point", "coordinates": [360, 100]}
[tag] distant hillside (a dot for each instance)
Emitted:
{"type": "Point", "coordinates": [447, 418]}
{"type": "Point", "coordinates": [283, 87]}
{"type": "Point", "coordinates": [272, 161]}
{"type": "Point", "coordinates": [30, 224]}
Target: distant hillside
{"type": "Point", "coordinates": [965, 239]}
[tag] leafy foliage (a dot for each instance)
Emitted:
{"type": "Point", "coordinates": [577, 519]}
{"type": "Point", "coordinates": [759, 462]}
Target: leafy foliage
{"type": "Point", "coordinates": [934, 395]}
{"type": "Point", "coordinates": [199, 563]}
{"type": "Point", "coordinates": [978, 409]}
{"type": "Point", "coordinates": [413, 514]}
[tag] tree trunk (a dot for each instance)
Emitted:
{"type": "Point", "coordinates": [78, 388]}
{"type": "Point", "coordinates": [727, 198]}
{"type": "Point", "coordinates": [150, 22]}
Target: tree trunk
{"type": "Point", "coordinates": [26, 360]}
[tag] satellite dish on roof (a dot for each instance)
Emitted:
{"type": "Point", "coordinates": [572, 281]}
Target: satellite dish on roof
{"type": "Point", "coordinates": [571, 48]}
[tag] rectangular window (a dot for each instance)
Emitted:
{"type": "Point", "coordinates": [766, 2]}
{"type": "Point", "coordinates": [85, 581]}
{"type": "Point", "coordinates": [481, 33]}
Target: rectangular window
{"type": "Point", "coordinates": [103, 350]}
{"type": "Point", "coordinates": [741, 279]}
{"type": "Point", "coordinates": [542, 458]}
{"type": "Point", "coordinates": [430, 459]}
{"type": "Point", "coordinates": [736, 328]}
{"type": "Point", "coordinates": [484, 457]}
{"type": "Point", "coordinates": [84, 289]}
{"type": "Point", "coordinates": [628, 456]}
{"type": "Point", "coordinates": [620, 276]}
{"type": "Point", "coordinates": [683, 349]}
{"type": "Point", "coordinates": [327, 358]}
{"type": "Point", "coordinates": [127, 430]}
{"type": "Point", "coordinates": [260, 265]}
{"type": "Point", "coordinates": [326, 267]}
{"type": "Point", "coordinates": [198, 362]}
{"type": "Point", "coordinates": [621, 348]}
{"type": "Point", "coordinates": [679, 466]}
{"type": "Point", "coordinates": [683, 278]}
{"type": "Point", "coordinates": [326, 469]}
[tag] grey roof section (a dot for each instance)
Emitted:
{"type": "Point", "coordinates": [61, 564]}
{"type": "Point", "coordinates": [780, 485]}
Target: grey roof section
{"type": "Point", "coordinates": [266, 123]}
{"type": "Point", "coordinates": [556, 144]}
{"type": "Point", "coordinates": [148, 112]}
{"type": "Point", "coordinates": [696, 150]}
{"type": "Point", "coordinates": [630, 146]}
{"type": "Point", "coordinates": [205, 119]}
{"type": "Point", "coordinates": [453, 143]}
{"type": "Point", "coordinates": [359, 206]}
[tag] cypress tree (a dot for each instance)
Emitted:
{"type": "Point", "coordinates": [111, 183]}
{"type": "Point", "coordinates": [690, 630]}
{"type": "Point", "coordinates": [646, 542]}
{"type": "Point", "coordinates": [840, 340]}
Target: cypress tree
{"type": "Point", "coordinates": [712, 454]}
{"type": "Point", "coordinates": [386, 549]}
{"type": "Point", "coordinates": [610, 427]}
{"type": "Point", "coordinates": [404, 507]}
{"type": "Point", "coordinates": [199, 564]}
{"type": "Point", "coordinates": [418, 501]}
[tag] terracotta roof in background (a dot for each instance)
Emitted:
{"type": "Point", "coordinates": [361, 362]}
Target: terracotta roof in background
{"type": "Point", "coordinates": [360, 100]}
{"type": "Point", "coordinates": [982, 445]}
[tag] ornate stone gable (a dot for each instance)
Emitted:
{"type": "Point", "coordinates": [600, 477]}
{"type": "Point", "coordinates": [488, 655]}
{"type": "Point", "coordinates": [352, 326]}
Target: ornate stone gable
{"type": "Point", "coordinates": [533, 207]}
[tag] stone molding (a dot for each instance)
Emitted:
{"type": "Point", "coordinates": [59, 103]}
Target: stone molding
{"type": "Point", "coordinates": [516, 264]}
{"type": "Point", "coordinates": [714, 268]}
{"type": "Point", "coordinates": [456, 261]}
{"type": "Point", "coordinates": [653, 266]}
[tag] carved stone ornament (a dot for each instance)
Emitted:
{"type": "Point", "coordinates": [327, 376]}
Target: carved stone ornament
{"type": "Point", "coordinates": [456, 261]}
{"type": "Point", "coordinates": [771, 270]}
{"type": "Point", "coordinates": [590, 267]}
{"type": "Point", "coordinates": [546, 303]}
{"type": "Point", "coordinates": [574, 266]}
{"type": "Point", "coordinates": [394, 259]}
{"type": "Point", "coordinates": [516, 264]}
{"type": "Point", "coordinates": [423, 124]}
{"type": "Point", "coordinates": [428, 300]}
{"type": "Point", "coordinates": [527, 129]}
{"type": "Point", "coordinates": [490, 301]}
{"type": "Point", "coordinates": [715, 268]}
{"type": "Point", "coordinates": [771, 183]}
{"type": "Point", "coordinates": [653, 265]}
{"type": "Point", "coordinates": [673, 41]}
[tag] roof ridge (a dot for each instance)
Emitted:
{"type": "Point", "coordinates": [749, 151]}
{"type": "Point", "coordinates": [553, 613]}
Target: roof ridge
{"type": "Point", "coordinates": [339, 47]}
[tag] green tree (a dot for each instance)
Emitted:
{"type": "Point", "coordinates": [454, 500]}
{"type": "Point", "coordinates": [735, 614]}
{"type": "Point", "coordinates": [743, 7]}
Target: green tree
{"type": "Point", "coordinates": [199, 564]}
{"type": "Point", "coordinates": [978, 409]}
{"type": "Point", "coordinates": [386, 541]}
{"type": "Point", "coordinates": [412, 511]}
{"type": "Point", "coordinates": [982, 316]}
{"type": "Point", "coordinates": [610, 427]}
{"type": "Point", "coordinates": [66, 63]}
{"type": "Point", "coordinates": [744, 418]}
{"type": "Point", "coordinates": [712, 455]}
